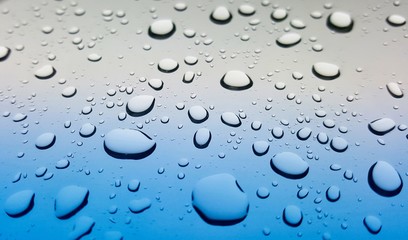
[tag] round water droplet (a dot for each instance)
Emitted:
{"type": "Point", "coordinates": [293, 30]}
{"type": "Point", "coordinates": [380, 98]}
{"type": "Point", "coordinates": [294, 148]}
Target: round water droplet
{"type": "Point", "coordinates": [70, 200]}
{"type": "Point", "coordinates": [289, 39]}
{"type": "Point", "coordinates": [230, 119]}
{"type": "Point", "coordinates": [256, 125]}
{"type": "Point", "coordinates": [292, 215]}
{"type": "Point", "coordinates": [156, 84]}
{"type": "Point", "coordinates": [279, 14]}
{"type": "Point", "coordinates": [219, 200]}
{"type": "Point", "coordinates": [395, 90]}
{"type": "Point", "coordinates": [168, 65]}
{"type": "Point", "coordinates": [384, 179]}
{"type": "Point", "coordinates": [304, 133]}
{"type": "Point", "coordinates": [339, 144]}
{"type": "Point", "coordinates": [277, 132]}
{"type": "Point", "coordinates": [340, 22]}
{"type": "Point", "coordinates": [133, 185]}
{"type": "Point", "coordinates": [326, 71]}
{"type": "Point", "coordinates": [221, 15]}
{"type": "Point", "coordinates": [87, 130]}
{"type": "Point", "coordinates": [45, 72]}
{"type": "Point", "coordinates": [373, 224]}
{"type": "Point", "coordinates": [236, 80]}
{"type": "Point", "coordinates": [262, 192]}
{"type": "Point", "coordinates": [94, 57]}
{"type": "Point", "coordinates": [69, 91]}
{"type": "Point", "coordinates": [381, 126]}
{"type": "Point", "coordinates": [246, 10]}
{"type": "Point", "coordinates": [45, 140]}
{"type": "Point", "coordinates": [180, 6]}
{"type": "Point", "coordinates": [62, 164]}
{"type": "Point", "coordinates": [128, 144]}
{"type": "Point", "coordinates": [260, 147]}
{"type": "Point", "coordinates": [333, 193]}
{"type": "Point", "coordinates": [19, 203]}
{"type": "Point", "coordinates": [4, 53]}
{"type": "Point", "coordinates": [162, 29]}
{"type": "Point", "coordinates": [198, 114]}
{"type": "Point", "coordinates": [396, 20]}
{"type": "Point", "coordinates": [289, 165]}
{"type": "Point", "coordinates": [202, 138]}
{"type": "Point", "coordinates": [140, 105]}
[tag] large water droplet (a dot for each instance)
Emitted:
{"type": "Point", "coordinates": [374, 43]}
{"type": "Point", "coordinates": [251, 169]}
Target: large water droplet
{"type": "Point", "coordinates": [45, 140]}
{"type": "Point", "coordinates": [70, 200]}
{"type": "Point", "coordinates": [381, 126]}
{"type": "Point", "coordinates": [197, 114]}
{"type": "Point", "coordinates": [279, 14]}
{"type": "Point", "coordinates": [139, 205]}
{"type": "Point", "coordinates": [156, 84]}
{"type": "Point", "coordinates": [246, 10]}
{"type": "Point", "coordinates": [83, 226]}
{"type": "Point", "coordinates": [277, 132]}
{"type": "Point", "coordinates": [326, 71]}
{"type": "Point", "coordinates": [260, 147]}
{"type": "Point", "coordinates": [304, 133]}
{"type": "Point", "coordinates": [396, 20]}
{"type": "Point", "coordinates": [292, 215]}
{"type": "Point", "coordinates": [339, 144]}
{"type": "Point", "coordinates": [202, 138]}
{"type": "Point", "coordinates": [87, 130]}
{"type": "Point", "coordinates": [384, 179]}
{"type": "Point", "coordinates": [373, 224]}
{"type": "Point", "coordinates": [128, 144]}
{"type": "Point", "coordinates": [333, 193]}
{"type": "Point", "coordinates": [289, 165]}
{"type": "Point", "coordinates": [230, 119]}
{"type": "Point", "coordinates": [93, 57]}
{"type": "Point", "coordinates": [45, 72]}
{"type": "Point", "coordinates": [289, 39]}
{"type": "Point", "coordinates": [395, 90]}
{"type": "Point", "coordinates": [69, 91]}
{"type": "Point", "coordinates": [4, 53]}
{"type": "Point", "coordinates": [236, 80]}
{"type": "Point", "coordinates": [168, 65]}
{"type": "Point", "coordinates": [19, 203]}
{"type": "Point", "coordinates": [140, 105]}
{"type": "Point", "coordinates": [162, 29]}
{"type": "Point", "coordinates": [340, 22]}
{"type": "Point", "coordinates": [221, 15]}
{"type": "Point", "coordinates": [219, 200]}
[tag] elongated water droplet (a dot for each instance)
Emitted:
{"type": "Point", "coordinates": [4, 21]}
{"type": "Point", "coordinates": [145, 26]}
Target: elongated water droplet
{"type": "Point", "coordinates": [289, 39]}
{"type": "Point", "coordinates": [236, 80]}
{"type": "Point", "coordinates": [70, 200]}
{"type": "Point", "coordinates": [326, 71]}
{"type": "Point", "coordinates": [198, 114]}
{"type": "Point", "coordinates": [168, 65]}
{"type": "Point", "coordinates": [373, 224]}
{"type": "Point", "coordinates": [19, 203]}
{"type": "Point", "coordinates": [381, 126]}
{"type": "Point", "coordinates": [4, 53]}
{"type": "Point", "coordinates": [396, 20]}
{"type": "Point", "coordinates": [395, 90]}
{"type": "Point", "coordinates": [45, 140]}
{"type": "Point", "coordinates": [289, 165]}
{"type": "Point", "coordinates": [230, 119]}
{"type": "Point", "coordinates": [140, 105]}
{"type": "Point", "coordinates": [45, 72]}
{"type": "Point", "coordinates": [202, 138]}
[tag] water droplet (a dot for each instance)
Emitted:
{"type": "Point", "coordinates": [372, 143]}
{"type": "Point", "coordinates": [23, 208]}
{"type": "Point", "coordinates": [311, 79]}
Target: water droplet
{"type": "Point", "coordinates": [188, 77]}
{"type": "Point", "coordinates": [45, 72]}
{"type": "Point", "coordinates": [156, 84]}
{"type": "Point", "coordinates": [47, 29]}
{"type": "Point", "coordinates": [62, 164]}
{"type": "Point", "coordinates": [381, 126]}
{"type": "Point", "coordinates": [140, 105]}
{"type": "Point", "coordinates": [221, 15]}
{"type": "Point", "coordinates": [297, 23]}
{"type": "Point", "coordinates": [279, 14]}
{"type": "Point", "coordinates": [256, 125]}
{"type": "Point", "coordinates": [198, 114]}
{"type": "Point", "coordinates": [262, 192]}
{"type": "Point", "coordinates": [162, 29]}
{"type": "Point", "coordinates": [70, 200]}
{"type": "Point", "coordinates": [19, 117]}
{"type": "Point", "coordinates": [292, 215]}
{"type": "Point", "coordinates": [180, 6]}
{"type": "Point", "coordinates": [333, 193]}
{"type": "Point", "coordinates": [139, 205]}
{"type": "Point", "coordinates": [304, 133]}
{"type": "Point", "coordinates": [340, 22]}
{"type": "Point", "coordinates": [45, 140]}
{"type": "Point", "coordinates": [373, 224]}
{"type": "Point", "coordinates": [236, 80]}
{"type": "Point", "coordinates": [289, 165]}
{"type": "Point", "coordinates": [87, 130]}
{"type": "Point", "coordinates": [384, 179]}
{"type": "Point", "coordinates": [40, 171]}
{"type": "Point", "coordinates": [93, 57]}
{"type": "Point", "coordinates": [4, 53]}
{"type": "Point", "coordinates": [277, 132]}
{"type": "Point", "coordinates": [230, 119]}
{"type": "Point", "coordinates": [260, 147]}
{"type": "Point", "coordinates": [190, 60]}
{"type": "Point", "coordinates": [246, 10]}
{"type": "Point", "coordinates": [202, 138]}
{"type": "Point", "coordinates": [133, 185]}
{"type": "Point", "coordinates": [302, 193]}
{"type": "Point", "coordinates": [326, 71]}
{"type": "Point", "coordinates": [339, 144]}
{"type": "Point", "coordinates": [168, 65]}
{"type": "Point", "coordinates": [289, 39]}
{"type": "Point", "coordinates": [396, 20]}
{"type": "Point", "coordinates": [395, 90]}
{"type": "Point", "coordinates": [69, 91]}
{"type": "Point", "coordinates": [219, 200]}
{"type": "Point", "coordinates": [19, 203]}
{"type": "Point", "coordinates": [83, 226]}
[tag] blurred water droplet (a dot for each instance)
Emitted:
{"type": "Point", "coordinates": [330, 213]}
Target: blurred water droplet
{"type": "Point", "coordinates": [396, 20]}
